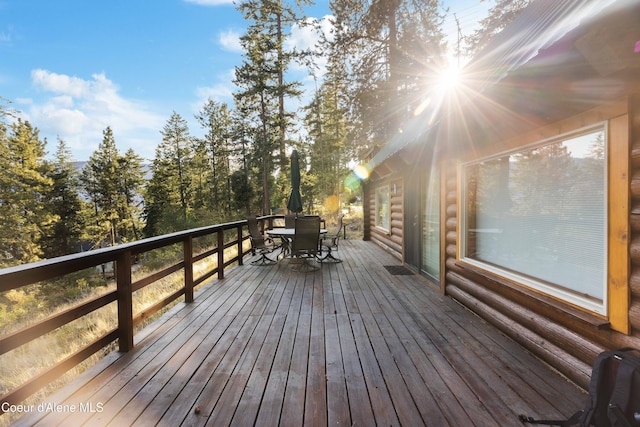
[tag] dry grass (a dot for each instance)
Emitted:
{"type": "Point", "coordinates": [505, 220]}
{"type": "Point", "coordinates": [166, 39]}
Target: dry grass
{"type": "Point", "coordinates": [22, 364]}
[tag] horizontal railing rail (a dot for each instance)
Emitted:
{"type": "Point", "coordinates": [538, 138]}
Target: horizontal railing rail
{"type": "Point", "coordinates": [122, 256]}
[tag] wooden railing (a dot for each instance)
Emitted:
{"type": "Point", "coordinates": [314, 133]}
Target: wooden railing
{"type": "Point", "coordinates": [122, 256]}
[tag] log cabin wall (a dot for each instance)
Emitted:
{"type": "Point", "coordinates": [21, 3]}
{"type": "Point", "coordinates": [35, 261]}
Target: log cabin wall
{"type": "Point", "coordinates": [566, 337]}
{"type": "Point", "coordinates": [634, 215]}
{"type": "Point", "coordinates": [392, 238]}
{"type": "Point", "coordinates": [564, 88]}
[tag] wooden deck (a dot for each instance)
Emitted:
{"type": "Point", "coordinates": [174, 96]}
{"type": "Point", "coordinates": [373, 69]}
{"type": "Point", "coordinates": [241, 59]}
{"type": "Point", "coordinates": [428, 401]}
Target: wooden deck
{"type": "Point", "coordinates": [347, 345]}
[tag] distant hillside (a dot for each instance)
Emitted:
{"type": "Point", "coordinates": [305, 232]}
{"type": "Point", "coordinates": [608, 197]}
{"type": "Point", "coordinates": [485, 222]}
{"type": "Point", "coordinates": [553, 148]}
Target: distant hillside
{"type": "Point", "coordinates": [79, 165]}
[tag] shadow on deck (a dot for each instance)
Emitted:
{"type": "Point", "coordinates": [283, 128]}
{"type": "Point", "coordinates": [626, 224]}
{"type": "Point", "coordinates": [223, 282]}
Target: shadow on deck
{"type": "Point", "coordinates": [350, 344]}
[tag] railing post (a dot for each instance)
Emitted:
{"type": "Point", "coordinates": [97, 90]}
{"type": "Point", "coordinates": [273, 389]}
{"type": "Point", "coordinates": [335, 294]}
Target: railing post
{"type": "Point", "coordinates": [240, 251]}
{"type": "Point", "coordinates": [220, 254]}
{"type": "Point", "coordinates": [125, 301]}
{"type": "Point", "coordinates": [188, 269]}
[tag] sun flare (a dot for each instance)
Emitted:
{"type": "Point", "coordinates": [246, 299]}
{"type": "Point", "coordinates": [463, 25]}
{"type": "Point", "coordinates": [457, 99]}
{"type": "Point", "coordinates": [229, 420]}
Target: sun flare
{"type": "Point", "coordinates": [448, 79]}
{"type": "Point", "coordinates": [444, 83]}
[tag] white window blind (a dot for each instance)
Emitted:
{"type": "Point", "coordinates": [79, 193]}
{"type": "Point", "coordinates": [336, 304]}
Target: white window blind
{"type": "Point", "coordinates": [539, 215]}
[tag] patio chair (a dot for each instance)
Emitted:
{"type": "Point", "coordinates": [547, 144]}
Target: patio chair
{"type": "Point", "coordinates": [306, 242]}
{"type": "Point", "coordinates": [290, 221]}
{"type": "Point", "coordinates": [260, 244]}
{"type": "Point", "coordinates": [330, 242]}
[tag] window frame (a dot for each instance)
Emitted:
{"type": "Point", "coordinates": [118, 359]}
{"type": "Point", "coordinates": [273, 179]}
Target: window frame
{"type": "Point", "coordinates": [520, 279]}
{"type": "Point", "coordinates": [379, 206]}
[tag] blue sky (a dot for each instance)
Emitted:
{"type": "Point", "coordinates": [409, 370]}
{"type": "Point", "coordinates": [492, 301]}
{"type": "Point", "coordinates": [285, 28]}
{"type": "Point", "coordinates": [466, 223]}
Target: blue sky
{"type": "Point", "coordinates": [74, 67]}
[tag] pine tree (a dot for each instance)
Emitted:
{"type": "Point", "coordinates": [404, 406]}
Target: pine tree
{"type": "Point", "coordinates": [328, 131]}
{"type": "Point", "coordinates": [216, 119]}
{"type": "Point", "coordinates": [64, 202]}
{"type": "Point", "coordinates": [131, 183]}
{"type": "Point", "coordinates": [24, 185]}
{"type": "Point", "coordinates": [244, 191]}
{"type": "Point", "coordinates": [100, 182]}
{"type": "Point", "coordinates": [168, 196]}
{"type": "Point", "coordinates": [256, 104]}
{"type": "Point", "coordinates": [390, 48]}
{"type": "Point", "coordinates": [262, 87]}
{"type": "Point", "coordinates": [157, 198]}
{"type": "Point", "coordinates": [5, 111]}
{"type": "Point", "coordinates": [273, 18]}
{"type": "Point", "coordinates": [112, 184]}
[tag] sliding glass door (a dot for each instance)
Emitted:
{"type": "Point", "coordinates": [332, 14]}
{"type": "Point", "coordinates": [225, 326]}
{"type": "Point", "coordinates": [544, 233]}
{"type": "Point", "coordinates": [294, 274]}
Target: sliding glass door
{"type": "Point", "coordinates": [430, 242]}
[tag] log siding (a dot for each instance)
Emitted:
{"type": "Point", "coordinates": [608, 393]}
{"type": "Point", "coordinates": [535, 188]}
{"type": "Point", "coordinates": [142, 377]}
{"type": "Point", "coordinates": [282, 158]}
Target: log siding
{"type": "Point", "coordinates": [634, 214]}
{"type": "Point", "coordinates": [527, 100]}
{"type": "Point", "coordinates": [567, 338]}
{"type": "Point", "coordinates": [392, 239]}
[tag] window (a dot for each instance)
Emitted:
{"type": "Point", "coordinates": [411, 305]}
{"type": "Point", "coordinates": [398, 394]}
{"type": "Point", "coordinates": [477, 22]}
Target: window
{"type": "Point", "coordinates": [383, 208]}
{"type": "Point", "coordinates": [539, 217]}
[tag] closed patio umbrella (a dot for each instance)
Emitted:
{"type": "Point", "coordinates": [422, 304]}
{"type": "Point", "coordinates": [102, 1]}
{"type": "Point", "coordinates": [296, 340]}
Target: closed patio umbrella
{"type": "Point", "coordinates": [295, 200]}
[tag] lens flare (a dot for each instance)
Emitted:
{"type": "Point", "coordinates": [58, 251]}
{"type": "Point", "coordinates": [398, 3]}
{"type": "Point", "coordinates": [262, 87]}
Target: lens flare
{"type": "Point", "coordinates": [361, 172]}
{"type": "Point", "coordinates": [351, 182]}
{"type": "Point", "coordinates": [332, 203]}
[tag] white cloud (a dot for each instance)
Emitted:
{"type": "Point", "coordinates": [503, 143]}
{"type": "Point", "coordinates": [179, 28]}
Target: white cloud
{"type": "Point", "coordinates": [210, 2]}
{"type": "Point", "coordinates": [7, 36]}
{"type": "Point", "coordinates": [64, 101]}
{"type": "Point", "coordinates": [326, 27]}
{"type": "Point", "coordinates": [308, 37]}
{"type": "Point", "coordinates": [78, 111]}
{"type": "Point", "coordinates": [220, 92]}
{"type": "Point", "coordinates": [304, 36]}
{"type": "Point", "coordinates": [230, 41]}
{"type": "Point", "coordinates": [59, 83]}
{"type": "Point", "coordinates": [68, 123]}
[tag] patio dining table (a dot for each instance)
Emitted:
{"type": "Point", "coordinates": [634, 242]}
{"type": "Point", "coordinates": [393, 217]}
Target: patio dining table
{"type": "Point", "coordinates": [287, 235]}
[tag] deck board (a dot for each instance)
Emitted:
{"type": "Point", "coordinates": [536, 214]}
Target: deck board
{"type": "Point", "coordinates": [350, 344]}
